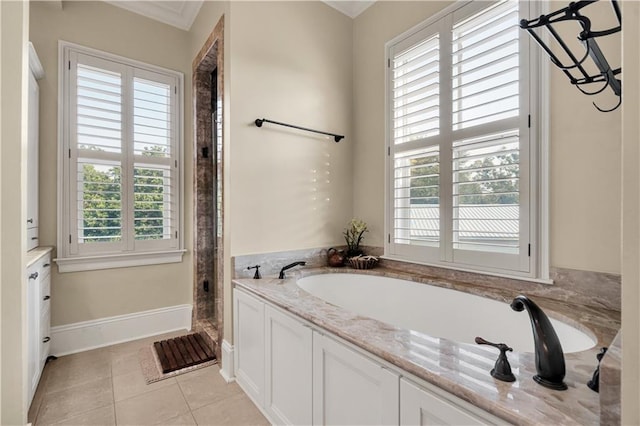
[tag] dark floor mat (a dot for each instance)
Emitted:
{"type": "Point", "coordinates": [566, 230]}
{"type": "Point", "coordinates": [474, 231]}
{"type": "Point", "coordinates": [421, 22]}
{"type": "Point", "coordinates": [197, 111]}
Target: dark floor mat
{"type": "Point", "coordinates": [182, 352]}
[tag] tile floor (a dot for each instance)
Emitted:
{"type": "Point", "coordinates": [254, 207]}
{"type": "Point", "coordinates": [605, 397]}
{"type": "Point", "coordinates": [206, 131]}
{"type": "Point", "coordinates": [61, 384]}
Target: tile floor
{"type": "Point", "coordinates": [106, 387]}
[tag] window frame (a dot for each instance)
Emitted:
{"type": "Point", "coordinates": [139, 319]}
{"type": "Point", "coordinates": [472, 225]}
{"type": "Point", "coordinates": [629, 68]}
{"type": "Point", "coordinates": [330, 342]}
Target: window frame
{"type": "Point", "coordinates": [536, 220]}
{"type": "Point", "coordinates": [128, 252]}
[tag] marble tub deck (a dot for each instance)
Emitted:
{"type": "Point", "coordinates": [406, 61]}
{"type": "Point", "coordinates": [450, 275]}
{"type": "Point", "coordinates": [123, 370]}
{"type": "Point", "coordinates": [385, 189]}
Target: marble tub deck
{"type": "Point", "coordinates": [460, 368]}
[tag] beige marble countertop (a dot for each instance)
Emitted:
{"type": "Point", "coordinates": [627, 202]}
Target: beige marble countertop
{"type": "Point", "coordinates": [460, 368]}
{"type": "Point", "coordinates": [36, 253]}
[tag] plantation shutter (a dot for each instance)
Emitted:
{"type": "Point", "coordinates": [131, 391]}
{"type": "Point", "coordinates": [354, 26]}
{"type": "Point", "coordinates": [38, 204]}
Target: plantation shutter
{"type": "Point", "coordinates": [155, 206]}
{"type": "Point", "coordinates": [124, 158]}
{"type": "Point", "coordinates": [458, 140]}
{"type": "Point", "coordinates": [415, 83]}
{"type": "Point", "coordinates": [98, 142]}
{"type": "Point", "coordinates": [487, 90]}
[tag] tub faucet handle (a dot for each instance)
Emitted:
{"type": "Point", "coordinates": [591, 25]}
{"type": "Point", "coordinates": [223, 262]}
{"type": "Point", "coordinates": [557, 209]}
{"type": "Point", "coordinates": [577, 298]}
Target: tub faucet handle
{"type": "Point", "coordinates": [502, 369]}
{"type": "Point", "coordinates": [256, 276]}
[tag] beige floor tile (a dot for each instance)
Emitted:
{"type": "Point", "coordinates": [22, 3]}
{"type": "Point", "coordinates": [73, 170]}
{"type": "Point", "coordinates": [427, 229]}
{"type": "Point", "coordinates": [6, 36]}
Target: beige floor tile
{"type": "Point", "coordinates": [82, 358]}
{"type": "Point", "coordinates": [135, 345]}
{"type": "Point", "coordinates": [212, 369]}
{"type": "Point", "coordinates": [124, 363]}
{"type": "Point", "coordinates": [206, 387]}
{"type": "Point", "coordinates": [57, 406]}
{"type": "Point", "coordinates": [105, 416]}
{"type": "Point", "coordinates": [133, 384]}
{"type": "Point", "coordinates": [152, 407]}
{"type": "Point", "coordinates": [183, 420]}
{"type": "Point", "coordinates": [68, 373]}
{"type": "Point", "coordinates": [236, 410]}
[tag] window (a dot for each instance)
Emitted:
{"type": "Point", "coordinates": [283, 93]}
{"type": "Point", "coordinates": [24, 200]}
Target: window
{"type": "Point", "coordinates": [459, 141]}
{"type": "Point", "coordinates": [121, 202]}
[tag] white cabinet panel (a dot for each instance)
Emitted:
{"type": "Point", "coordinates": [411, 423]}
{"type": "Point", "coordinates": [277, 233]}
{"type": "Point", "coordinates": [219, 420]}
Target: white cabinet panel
{"type": "Point", "coordinates": [248, 329]}
{"type": "Point", "coordinates": [38, 277]}
{"type": "Point", "coordinates": [32, 163]}
{"type": "Point", "coordinates": [349, 388]}
{"type": "Point", "coordinates": [33, 329]}
{"type": "Point", "coordinates": [288, 369]}
{"type": "Point", "coordinates": [419, 406]}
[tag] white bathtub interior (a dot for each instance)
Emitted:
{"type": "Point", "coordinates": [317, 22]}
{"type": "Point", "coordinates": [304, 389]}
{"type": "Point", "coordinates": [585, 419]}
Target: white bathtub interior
{"type": "Point", "coordinates": [436, 311]}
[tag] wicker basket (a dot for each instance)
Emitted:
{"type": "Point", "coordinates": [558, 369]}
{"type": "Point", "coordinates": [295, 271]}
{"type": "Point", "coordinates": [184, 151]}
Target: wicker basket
{"type": "Point", "coordinates": [363, 262]}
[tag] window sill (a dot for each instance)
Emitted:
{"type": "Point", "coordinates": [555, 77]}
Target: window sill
{"type": "Point", "coordinates": [124, 260]}
{"type": "Point", "coordinates": [477, 270]}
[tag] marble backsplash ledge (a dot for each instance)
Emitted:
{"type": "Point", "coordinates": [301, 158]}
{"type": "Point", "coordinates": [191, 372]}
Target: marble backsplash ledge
{"type": "Point", "coordinates": [271, 263]}
{"type": "Point", "coordinates": [595, 289]}
{"type": "Point", "coordinates": [587, 288]}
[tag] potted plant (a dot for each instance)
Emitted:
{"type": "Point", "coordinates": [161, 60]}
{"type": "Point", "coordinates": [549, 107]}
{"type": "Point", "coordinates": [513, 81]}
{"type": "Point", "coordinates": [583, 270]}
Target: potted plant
{"type": "Point", "coordinates": [353, 236]}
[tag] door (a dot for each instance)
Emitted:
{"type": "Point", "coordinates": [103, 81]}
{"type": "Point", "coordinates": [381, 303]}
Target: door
{"type": "Point", "coordinates": [288, 369]}
{"type": "Point", "coordinates": [32, 164]}
{"type": "Point", "coordinates": [418, 406]}
{"type": "Point", "coordinates": [349, 388]}
{"type": "Point", "coordinates": [248, 329]}
{"type": "Point", "coordinates": [33, 329]}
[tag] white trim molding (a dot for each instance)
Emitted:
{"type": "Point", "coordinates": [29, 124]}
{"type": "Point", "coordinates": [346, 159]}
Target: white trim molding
{"type": "Point", "coordinates": [34, 63]}
{"type": "Point", "coordinates": [86, 335]}
{"type": "Point", "coordinates": [90, 263]}
{"type": "Point", "coordinates": [179, 14]}
{"type": "Point", "coordinates": [226, 364]}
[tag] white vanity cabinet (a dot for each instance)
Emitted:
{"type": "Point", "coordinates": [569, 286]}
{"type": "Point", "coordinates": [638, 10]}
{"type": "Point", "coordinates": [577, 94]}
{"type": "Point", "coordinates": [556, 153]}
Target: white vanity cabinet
{"type": "Point", "coordinates": [349, 388]}
{"type": "Point", "coordinates": [36, 73]}
{"type": "Point", "coordinates": [298, 373]}
{"type": "Point", "coordinates": [272, 359]}
{"type": "Point", "coordinates": [38, 277]}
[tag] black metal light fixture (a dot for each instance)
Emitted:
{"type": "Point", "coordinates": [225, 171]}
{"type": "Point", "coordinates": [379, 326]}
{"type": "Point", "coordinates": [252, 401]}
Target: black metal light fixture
{"type": "Point", "coordinates": [574, 67]}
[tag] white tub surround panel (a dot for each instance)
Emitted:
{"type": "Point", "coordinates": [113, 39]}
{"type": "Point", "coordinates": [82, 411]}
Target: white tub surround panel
{"type": "Point", "coordinates": [459, 370]}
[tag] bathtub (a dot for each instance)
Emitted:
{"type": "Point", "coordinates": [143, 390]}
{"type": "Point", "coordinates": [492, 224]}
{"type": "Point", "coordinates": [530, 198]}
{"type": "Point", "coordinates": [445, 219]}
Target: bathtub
{"type": "Point", "coordinates": [436, 311]}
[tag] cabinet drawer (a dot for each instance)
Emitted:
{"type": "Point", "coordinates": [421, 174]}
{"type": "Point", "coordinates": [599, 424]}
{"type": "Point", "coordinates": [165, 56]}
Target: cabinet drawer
{"type": "Point", "coordinates": [44, 342]}
{"type": "Point", "coordinates": [32, 238]}
{"type": "Point", "coordinates": [45, 265]}
{"type": "Point", "coordinates": [45, 293]}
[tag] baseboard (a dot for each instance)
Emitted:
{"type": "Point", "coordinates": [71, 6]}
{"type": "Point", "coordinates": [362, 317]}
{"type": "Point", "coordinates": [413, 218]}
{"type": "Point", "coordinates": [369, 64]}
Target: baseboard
{"type": "Point", "coordinates": [226, 369]}
{"type": "Point", "coordinates": [83, 336]}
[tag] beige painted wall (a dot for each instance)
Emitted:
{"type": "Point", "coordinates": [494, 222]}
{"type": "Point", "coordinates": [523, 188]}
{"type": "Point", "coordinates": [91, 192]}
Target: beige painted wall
{"type": "Point", "coordinates": [14, 83]}
{"type": "Point", "coordinates": [585, 149]}
{"type": "Point", "coordinates": [290, 62]}
{"type": "Point", "coordinates": [631, 218]}
{"type": "Point", "coordinates": [83, 296]}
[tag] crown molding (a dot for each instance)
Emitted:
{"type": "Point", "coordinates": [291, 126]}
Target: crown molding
{"type": "Point", "coordinates": [180, 14]}
{"type": "Point", "coordinates": [350, 8]}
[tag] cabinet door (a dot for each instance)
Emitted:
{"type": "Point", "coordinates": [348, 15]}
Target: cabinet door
{"type": "Point", "coordinates": [44, 343]}
{"type": "Point", "coordinates": [288, 369]}
{"type": "Point", "coordinates": [32, 157]}
{"type": "Point", "coordinates": [419, 406]}
{"type": "Point", "coordinates": [33, 327]}
{"type": "Point", "coordinates": [248, 329]}
{"type": "Point", "coordinates": [349, 388]}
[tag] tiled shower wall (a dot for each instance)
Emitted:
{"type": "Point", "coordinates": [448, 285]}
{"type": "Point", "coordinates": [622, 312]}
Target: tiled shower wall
{"type": "Point", "coordinates": [208, 255]}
